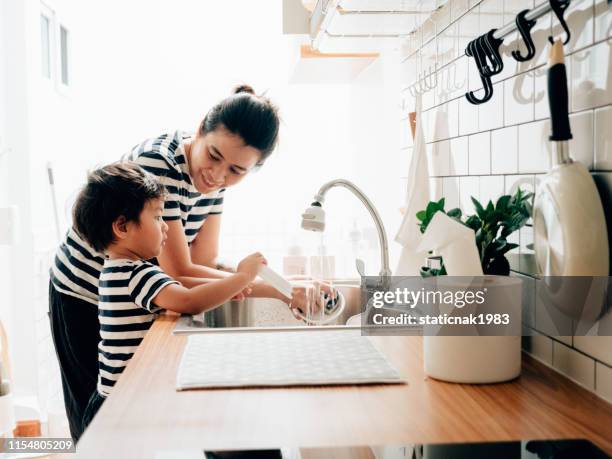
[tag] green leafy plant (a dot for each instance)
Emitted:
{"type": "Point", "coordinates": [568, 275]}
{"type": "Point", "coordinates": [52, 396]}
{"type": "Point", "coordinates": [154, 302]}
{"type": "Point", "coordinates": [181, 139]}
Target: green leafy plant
{"type": "Point", "coordinates": [492, 224]}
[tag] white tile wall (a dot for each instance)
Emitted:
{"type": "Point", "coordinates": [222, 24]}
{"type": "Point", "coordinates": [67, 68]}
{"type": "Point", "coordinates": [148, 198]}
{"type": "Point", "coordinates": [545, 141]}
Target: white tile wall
{"type": "Point", "coordinates": [452, 113]}
{"type": "Point", "coordinates": [575, 365]}
{"type": "Point", "coordinates": [581, 145]}
{"type": "Point", "coordinates": [534, 147]}
{"type": "Point", "coordinates": [603, 381]}
{"type": "Point", "coordinates": [444, 121]}
{"type": "Point", "coordinates": [603, 139]}
{"type": "Point", "coordinates": [438, 156]}
{"type": "Point", "coordinates": [458, 79]}
{"type": "Point", "coordinates": [468, 187]}
{"type": "Point", "coordinates": [591, 80]}
{"type": "Point", "coordinates": [490, 149]}
{"type": "Point", "coordinates": [479, 153]}
{"type": "Point", "coordinates": [459, 156]}
{"type": "Point", "coordinates": [603, 20]}
{"type": "Point", "coordinates": [447, 43]}
{"type": "Point", "coordinates": [491, 188]}
{"type": "Point", "coordinates": [468, 117]}
{"type": "Point", "coordinates": [541, 347]}
{"type": "Point", "coordinates": [450, 186]}
{"type": "Point", "coordinates": [541, 109]}
{"type": "Point", "coordinates": [457, 9]}
{"type": "Point", "coordinates": [504, 151]}
{"type": "Point", "coordinates": [491, 114]}
{"type": "Point", "coordinates": [599, 347]}
{"type": "Point", "coordinates": [435, 189]}
{"type": "Point", "coordinates": [518, 97]}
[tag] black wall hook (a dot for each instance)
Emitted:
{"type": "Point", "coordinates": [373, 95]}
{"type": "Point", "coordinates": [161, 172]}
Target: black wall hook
{"type": "Point", "coordinates": [476, 49]}
{"type": "Point", "coordinates": [524, 27]}
{"type": "Point", "coordinates": [492, 52]}
{"type": "Point", "coordinates": [559, 7]}
{"type": "Point", "coordinates": [485, 49]}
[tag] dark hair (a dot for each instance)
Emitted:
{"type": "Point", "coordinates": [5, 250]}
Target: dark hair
{"type": "Point", "coordinates": [253, 118]}
{"type": "Point", "coordinates": [119, 189]}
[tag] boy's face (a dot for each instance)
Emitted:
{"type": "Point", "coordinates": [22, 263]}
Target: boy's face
{"type": "Point", "coordinates": [147, 237]}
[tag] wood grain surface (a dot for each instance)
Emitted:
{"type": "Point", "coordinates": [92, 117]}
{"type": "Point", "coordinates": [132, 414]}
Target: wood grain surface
{"type": "Point", "coordinates": [145, 413]}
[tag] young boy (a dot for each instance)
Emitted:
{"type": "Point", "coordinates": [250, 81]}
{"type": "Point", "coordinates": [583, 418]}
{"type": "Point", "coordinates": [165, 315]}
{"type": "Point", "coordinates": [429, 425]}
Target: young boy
{"type": "Point", "coordinates": [119, 212]}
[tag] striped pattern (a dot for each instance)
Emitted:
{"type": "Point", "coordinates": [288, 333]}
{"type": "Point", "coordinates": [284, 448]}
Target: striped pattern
{"type": "Point", "coordinates": [164, 157]}
{"type": "Point", "coordinates": [126, 311]}
{"type": "Point", "coordinates": [77, 265]}
{"type": "Point", "coordinates": [76, 268]}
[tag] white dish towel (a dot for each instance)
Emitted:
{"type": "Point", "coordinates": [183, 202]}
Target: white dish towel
{"type": "Point", "coordinates": [417, 197]}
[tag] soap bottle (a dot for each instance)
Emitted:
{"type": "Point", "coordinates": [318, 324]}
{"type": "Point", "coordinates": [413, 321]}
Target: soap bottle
{"type": "Point", "coordinates": [294, 263]}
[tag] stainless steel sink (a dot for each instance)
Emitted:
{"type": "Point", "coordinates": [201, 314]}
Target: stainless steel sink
{"type": "Point", "coordinates": [263, 314]}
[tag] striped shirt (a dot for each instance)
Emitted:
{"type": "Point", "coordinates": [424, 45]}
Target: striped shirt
{"type": "Point", "coordinates": [77, 265]}
{"type": "Point", "coordinates": [126, 311]}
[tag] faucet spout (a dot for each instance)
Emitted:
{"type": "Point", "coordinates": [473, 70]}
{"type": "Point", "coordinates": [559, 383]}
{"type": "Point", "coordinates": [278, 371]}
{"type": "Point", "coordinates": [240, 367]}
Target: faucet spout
{"type": "Point", "coordinates": [382, 235]}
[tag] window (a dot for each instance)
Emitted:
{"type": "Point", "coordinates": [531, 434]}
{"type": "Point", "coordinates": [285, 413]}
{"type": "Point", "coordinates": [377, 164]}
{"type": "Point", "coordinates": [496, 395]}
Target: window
{"type": "Point", "coordinates": [54, 49]}
{"type": "Point", "coordinates": [45, 46]}
{"type": "Point", "coordinates": [64, 54]}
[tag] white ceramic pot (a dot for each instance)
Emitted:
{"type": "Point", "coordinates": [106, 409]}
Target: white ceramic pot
{"type": "Point", "coordinates": [479, 359]}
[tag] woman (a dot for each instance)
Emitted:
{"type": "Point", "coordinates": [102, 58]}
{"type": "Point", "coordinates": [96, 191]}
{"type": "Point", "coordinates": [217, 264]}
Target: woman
{"type": "Point", "coordinates": [236, 136]}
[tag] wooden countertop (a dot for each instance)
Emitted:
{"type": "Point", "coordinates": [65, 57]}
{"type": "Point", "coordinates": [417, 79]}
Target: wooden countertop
{"type": "Point", "coordinates": [146, 414]}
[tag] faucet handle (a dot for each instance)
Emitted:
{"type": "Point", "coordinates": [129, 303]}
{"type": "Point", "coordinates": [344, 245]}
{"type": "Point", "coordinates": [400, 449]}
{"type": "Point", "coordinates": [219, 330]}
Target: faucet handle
{"type": "Point", "coordinates": [360, 265]}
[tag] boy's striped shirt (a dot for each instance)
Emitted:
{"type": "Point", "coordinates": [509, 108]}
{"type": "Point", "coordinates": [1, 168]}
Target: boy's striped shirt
{"type": "Point", "coordinates": [126, 311]}
{"type": "Point", "coordinates": [77, 265]}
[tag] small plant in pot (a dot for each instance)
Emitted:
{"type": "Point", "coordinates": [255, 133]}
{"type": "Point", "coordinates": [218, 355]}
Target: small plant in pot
{"type": "Point", "coordinates": [492, 224]}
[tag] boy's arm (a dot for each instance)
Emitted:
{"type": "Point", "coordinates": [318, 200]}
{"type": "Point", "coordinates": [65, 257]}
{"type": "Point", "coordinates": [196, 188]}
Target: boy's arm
{"type": "Point", "coordinates": [202, 297]}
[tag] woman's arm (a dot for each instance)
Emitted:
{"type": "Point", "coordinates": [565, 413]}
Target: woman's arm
{"type": "Point", "coordinates": [260, 289]}
{"type": "Point", "coordinates": [205, 247]}
{"type": "Point", "coordinates": [176, 260]}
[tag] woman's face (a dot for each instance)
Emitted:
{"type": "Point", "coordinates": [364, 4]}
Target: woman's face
{"type": "Point", "coordinates": [219, 159]}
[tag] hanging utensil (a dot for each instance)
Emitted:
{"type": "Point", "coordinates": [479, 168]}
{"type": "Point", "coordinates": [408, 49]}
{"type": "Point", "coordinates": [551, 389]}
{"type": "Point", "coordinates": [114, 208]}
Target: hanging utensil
{"type": "Point", "coordinates": [570, 234]}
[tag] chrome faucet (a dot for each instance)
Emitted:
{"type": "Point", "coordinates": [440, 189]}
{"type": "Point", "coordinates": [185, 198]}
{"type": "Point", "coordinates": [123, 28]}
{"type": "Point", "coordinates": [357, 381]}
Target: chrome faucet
{"type": "Point", "coordinates": [313, 219]}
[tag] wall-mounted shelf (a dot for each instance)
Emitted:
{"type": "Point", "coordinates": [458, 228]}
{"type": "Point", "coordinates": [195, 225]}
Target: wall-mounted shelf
{"type": "Point", "coordinates": [329, 68]}
{"type": "Point", "coordinates": [365, 25]}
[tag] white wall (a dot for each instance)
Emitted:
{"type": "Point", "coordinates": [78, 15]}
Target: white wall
{"type": "Point", "coordinates": [5, 284]}
{"type": "Point", "coordinates": [18, 306]}
{"type": "Point", "coordinates": [159, 66]}
{"type": "Point", "coordinates": [375, 154]}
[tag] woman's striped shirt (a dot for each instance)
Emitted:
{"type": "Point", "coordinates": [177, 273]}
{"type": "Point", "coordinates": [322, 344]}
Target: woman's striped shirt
{"type": "Point", "coordinates": [126, 311]}
{"type": "Point", "coordinates": [77, 265]}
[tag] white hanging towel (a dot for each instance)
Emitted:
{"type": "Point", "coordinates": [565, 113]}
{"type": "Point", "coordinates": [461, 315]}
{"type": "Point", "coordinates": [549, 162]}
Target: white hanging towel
{"type": "Point", "coordinates": [417, 198]}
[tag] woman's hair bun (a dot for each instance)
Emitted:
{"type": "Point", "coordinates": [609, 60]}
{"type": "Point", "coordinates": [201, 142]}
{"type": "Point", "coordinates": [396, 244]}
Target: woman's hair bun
{"type": "Point", "coordinates": [244, 88]}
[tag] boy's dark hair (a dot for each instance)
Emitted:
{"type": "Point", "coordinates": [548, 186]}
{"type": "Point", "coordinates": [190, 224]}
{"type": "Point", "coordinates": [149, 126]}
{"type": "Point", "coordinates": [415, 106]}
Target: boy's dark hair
{"type": "Point", "coordinates": [119, 189]}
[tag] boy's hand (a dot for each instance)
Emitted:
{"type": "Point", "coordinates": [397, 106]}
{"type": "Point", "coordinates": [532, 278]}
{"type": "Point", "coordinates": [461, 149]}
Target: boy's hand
{"type": "Point", "coordinates": [251, 264]}
{"type": "Point", "coordinates": [308, 298]}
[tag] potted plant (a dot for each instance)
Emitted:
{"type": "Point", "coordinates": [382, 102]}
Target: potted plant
{"type": "Point", "coordinates": [492, 225]}
{"type": "Point", "coordinates": [481, 359]}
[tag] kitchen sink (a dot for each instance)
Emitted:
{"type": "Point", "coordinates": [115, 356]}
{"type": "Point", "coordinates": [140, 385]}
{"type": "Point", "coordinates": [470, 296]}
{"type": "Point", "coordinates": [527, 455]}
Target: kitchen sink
{"type": "Point", "coordinates": [266, 314]}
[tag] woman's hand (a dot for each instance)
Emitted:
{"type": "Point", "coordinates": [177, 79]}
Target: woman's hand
{"type": "Point", "coordinates": [244, 294]}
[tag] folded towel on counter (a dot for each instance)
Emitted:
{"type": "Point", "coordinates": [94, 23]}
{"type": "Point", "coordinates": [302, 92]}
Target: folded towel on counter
{"type": "Point", "coordinates": [417, 197]}
{"type": "Point", "coordinates": [309, 358]}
